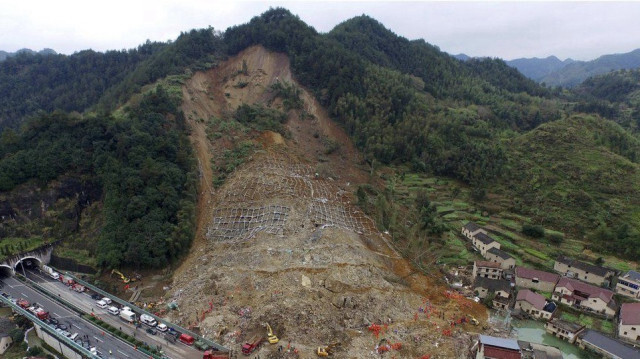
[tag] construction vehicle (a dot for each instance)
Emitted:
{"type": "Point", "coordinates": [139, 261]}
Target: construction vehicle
{"type": "Point", "coordinates": [250, 346]}
{"type": "Point", "coordinates": [272, 338]}
{"type": "Point", "coordinates": [122, 276]}
{"type": "Point", "coordinates": [473, 320]}
{"type": "Point", "coordinates": [326, 350]}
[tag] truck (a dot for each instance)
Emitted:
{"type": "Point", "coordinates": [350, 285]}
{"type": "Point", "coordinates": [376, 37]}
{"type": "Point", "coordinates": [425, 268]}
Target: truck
{"type": "Point", "coordinates": [128, 316]}
{"type": "Point", "coordinates": [38, 312]}
{"type": "Point", "coordinates": [50, 272]}
{"type": "Point", "coordinates": [250, 346]}
{"type": "Point", "coordinates": [23, 303]}
{"type": "Point", "coordinates": [78, 288]}
{"type": "Point", "coordinates": [148, 320]}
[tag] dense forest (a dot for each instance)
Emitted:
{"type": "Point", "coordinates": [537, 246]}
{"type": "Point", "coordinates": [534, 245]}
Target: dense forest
{"type": "Point", "coordinates": [404, 103]}
{"type": "Point", "coordinates": [92, 80]}
{"type": "Point", "coordinates": [142, 162]}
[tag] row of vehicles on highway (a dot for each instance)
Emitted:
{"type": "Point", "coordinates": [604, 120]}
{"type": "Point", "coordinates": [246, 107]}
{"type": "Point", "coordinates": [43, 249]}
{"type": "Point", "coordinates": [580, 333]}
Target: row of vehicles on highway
{"type": "Point", "coordinates": [128, 315]}
{"type": "Point", "coordinates": [53, 323]}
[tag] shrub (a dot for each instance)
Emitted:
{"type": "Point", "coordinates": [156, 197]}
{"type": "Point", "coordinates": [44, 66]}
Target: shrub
{"type": "Point", "coordinates": [533, 230]}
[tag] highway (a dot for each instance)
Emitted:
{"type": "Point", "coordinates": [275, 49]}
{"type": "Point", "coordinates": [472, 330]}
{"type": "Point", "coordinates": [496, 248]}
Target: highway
{"type": "Point", "coordinates": [84, 302]}
{"type": "Point", "coordinates": [75, 324]}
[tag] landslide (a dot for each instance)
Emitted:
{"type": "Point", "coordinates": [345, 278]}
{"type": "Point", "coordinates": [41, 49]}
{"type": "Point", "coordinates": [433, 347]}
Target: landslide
{"type": "Point", "coordinates": [281, 242]}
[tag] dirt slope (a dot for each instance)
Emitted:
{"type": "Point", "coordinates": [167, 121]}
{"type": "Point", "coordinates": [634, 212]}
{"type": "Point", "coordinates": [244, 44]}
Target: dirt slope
{"type": "Point", "coordinates": [280, 241]}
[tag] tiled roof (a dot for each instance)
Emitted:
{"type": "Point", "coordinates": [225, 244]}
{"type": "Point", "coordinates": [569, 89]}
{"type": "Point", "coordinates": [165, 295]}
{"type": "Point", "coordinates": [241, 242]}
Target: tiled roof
{"type": "Point", "coordinates": [487, 264]}
{"type": "Point", "coordinates": [587, 267]}
{"type": "Point", "coordinates": [492, 285]}
{"type": "Point", "coordinates": [632, 275]}
{"type": "Point", "coordinates": [591, 290]}
{"type": "Point", "coordinates": [472, 227]}
{"type": "Point", "coordinates": [499, 353]}
{"type": "Point", "coordinates": [568, 326]}
{"type": "Point", "coordinates": [630, 314]}
{"type": "Point", "coordinates": [484, 238]}
{"type": "Point", "coordinates": [535, 299]}
{"type": "Point", "coordinates": [499, 342]}
{"type": "Point", "coordinates": [500, 253]}
{"type": "Point", "coordinates": [610, 345]}
{"type": "Point", "coordinates": [528, 273]}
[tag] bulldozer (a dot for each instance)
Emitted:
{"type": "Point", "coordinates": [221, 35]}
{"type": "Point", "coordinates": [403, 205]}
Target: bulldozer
{"type": "Point", "coordinates": [272, 338]}
{"type": "Point", "coordinates": [326, 350]}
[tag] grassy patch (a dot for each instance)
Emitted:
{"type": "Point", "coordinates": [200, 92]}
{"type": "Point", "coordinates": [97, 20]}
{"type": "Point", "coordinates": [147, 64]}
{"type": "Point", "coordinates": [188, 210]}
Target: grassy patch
{"type": "Point", "coordinates": [537, 254]}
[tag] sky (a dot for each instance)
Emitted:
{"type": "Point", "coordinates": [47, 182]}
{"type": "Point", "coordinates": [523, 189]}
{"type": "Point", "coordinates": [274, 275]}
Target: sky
{"type": "Point", "coordinates": [507, 29]}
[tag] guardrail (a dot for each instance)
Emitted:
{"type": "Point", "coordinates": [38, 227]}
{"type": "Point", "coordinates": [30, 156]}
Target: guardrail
{"type": "Point", "coordinates": [142, 311]}
{"type": "Point", "coordinates": [58, 299]}
{"type": "Point", "coordinates": [68, 342]}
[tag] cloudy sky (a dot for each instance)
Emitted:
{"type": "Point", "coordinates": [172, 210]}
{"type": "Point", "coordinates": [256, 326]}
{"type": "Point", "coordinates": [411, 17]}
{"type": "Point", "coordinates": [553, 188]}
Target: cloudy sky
{"type": "Point", "coordinates": [580, 30]}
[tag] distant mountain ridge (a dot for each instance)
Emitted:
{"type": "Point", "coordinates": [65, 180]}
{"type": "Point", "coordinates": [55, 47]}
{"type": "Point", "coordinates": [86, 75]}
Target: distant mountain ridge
{"type": "Point", "coordinates": [538, 68]}
{"type": "Point", "coordinates": [46, 51]}
{"type": "Point", "coordinates": [569, 73]}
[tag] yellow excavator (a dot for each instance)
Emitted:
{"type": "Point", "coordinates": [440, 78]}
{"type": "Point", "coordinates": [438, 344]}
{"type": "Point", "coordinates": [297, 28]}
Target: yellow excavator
{"type": "Point", "coordinates": [272, 338]}
{"type": "Point", "coordinates": [326, 350]}
{"type": "Point", "coordinates": [122, 276]}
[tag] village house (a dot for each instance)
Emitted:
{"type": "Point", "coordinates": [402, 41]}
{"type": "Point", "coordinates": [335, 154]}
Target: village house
{"type": "Point", "coordinates": [605, 346]}
{"type": "Point", "coordinates": [536, 279]}
{"type": "Point", "coordinates": [564, 330]}
{"type": "Point", "coordinates": [487, 286]}
{"type": "Point", "coordinates": [497, 348]}
{"type": "Point", "coordinates": [629, 327]}
{"type": "Point", "coordinates": [499, 256]}
{"type": "Point", "coordinates": [589, 273]}
{"type": "Point", "coordinates": [486, 270]}
{"type": "Point", "coordinates": [585, 296]}
{"type": "Point", "coordinates": [470, 229]}
{"type": "Point", "coordinates": [534, 304]}
{"type": "Point", "coordinates": [629, 285]}
{"type": "Point", "coordinates": [483, 243]}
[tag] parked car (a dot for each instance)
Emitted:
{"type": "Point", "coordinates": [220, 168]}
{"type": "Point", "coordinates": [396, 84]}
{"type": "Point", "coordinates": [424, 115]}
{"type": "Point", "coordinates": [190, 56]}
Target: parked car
{"type": "Point", "coordinates": [151, 331]}
{"type": "Point", "coordinates": [96, 296]}
{"type": "Point", "coordinates": [101, 304]}
{"type": "Point", "coordinates": [106, 300]}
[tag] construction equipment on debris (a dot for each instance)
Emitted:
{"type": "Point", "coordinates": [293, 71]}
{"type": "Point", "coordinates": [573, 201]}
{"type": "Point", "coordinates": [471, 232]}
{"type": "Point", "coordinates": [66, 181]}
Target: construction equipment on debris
{"type": "Point", "coordinates": [272, 338]}
{"type": "Point", "coordinates": [122, 276]}
{"type": "Point", "coordinates": [250, 346]}
{"type": "Point", "coordinates": [326, 350]}
{"type": "Point", "coordinates": [473, 320]}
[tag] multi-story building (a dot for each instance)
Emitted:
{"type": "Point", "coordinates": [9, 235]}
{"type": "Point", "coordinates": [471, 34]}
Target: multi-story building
{"type": "Point", "coordinates": [586, 272]}
{"type": "Point", "coordinates": [536, 279]}
{"type": "Point", "coordinates": [470, 229]}
{"type": "Point", "coordinates": [564, 330]}
{"type": "Point", "coordinates": [629, 285]}
{"type": "Point", "coordinates": [585, 296]}
{"type": "Point", "coordinates": [629, 326]}
{"type": "Point", "coordinates": [487, 270]}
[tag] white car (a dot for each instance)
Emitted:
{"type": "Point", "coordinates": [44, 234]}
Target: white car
{"type": "Point", "coordinates": [162, 327]}
{"type": "Point", "coordinates": [101, 304]}
{"type": "Point", "coordinates": [113, 310]}
{"type": "Point", "coordinates": [106, 300]}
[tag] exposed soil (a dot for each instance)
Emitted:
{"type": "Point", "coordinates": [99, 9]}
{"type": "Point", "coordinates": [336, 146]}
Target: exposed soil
{"type": "Point", "coordinates": [281, 242]}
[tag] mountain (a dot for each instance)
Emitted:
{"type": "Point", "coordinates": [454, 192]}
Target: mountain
{"type": "Point", "coordinates": [578, 71]}
{"type": "Point", "coordinates": [403, 103]}
{"type": "Point", "coordinates": [536, 68]}
{"type": "Point", "coordinates": [47, 51]}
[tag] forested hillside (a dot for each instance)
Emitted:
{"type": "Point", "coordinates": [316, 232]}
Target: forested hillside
{"type": "Point", "coordinates": [406, 105]}
{"type": "Point", "coordinates": [31, 82]}
{"type": "Point", "coordinates": [142, 163]}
